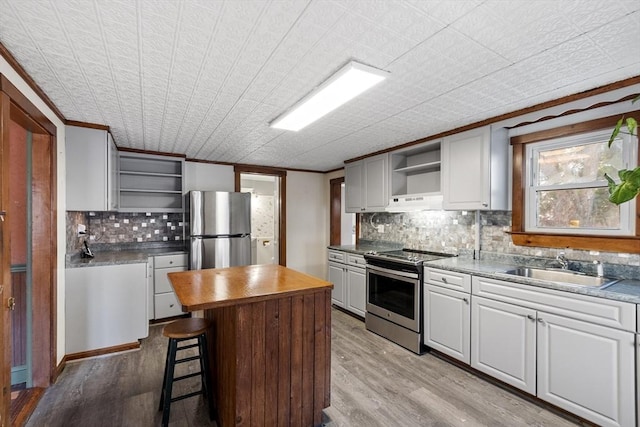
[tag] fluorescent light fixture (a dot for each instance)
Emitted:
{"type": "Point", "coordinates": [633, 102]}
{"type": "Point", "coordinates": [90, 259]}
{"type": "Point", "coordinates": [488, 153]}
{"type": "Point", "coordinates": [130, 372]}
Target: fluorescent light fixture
{"type": "Point", "coordinates": [347, 83]}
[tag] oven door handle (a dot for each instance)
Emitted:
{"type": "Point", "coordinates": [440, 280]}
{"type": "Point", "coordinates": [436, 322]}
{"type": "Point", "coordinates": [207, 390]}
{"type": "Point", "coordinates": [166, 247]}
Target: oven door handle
{"type": "Point", "coordinates": [393, 272]}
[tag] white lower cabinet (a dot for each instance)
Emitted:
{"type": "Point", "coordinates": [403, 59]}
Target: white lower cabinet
{"type": "Point", "coordinates": [165, 303]}
{"type": "Point", "coordinates": [522, 338]}
{"type": "Point", "coordinates": [106, 306]}
{"type": "Point", "coordinates": [586, 369]}
{"type": "Point", "coordinates": [447, 313]}
{"type": "Point", "coordinates": [348, 275]}
{"type": "Point", "coordinates": [503, 342]}
{"type": "Point", "coordinates": [356, 290]}
{"type": "Point", "coordinates": [337, 276]}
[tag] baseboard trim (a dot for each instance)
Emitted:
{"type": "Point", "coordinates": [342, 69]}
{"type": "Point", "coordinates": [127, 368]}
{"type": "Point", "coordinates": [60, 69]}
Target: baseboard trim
{"type": "Point", "coordinates": [168, 319]}
{"type": "Point", "coordinates": [59, 369]}
{"type": "Point", "coordinates": [102, 351]}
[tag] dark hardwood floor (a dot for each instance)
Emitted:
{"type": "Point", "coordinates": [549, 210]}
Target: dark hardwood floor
{"type": "Point", "coordinates": [374, 383]}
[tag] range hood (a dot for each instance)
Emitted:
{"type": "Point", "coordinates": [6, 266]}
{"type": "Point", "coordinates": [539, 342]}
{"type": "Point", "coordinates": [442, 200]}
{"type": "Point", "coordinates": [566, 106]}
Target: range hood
{"type": "Point", "coordinates": [415, 202]}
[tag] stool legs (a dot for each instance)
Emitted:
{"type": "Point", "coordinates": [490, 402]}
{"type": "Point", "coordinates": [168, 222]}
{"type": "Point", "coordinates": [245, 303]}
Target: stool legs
{"type": "Point", "coordinates": [169, 370]}
{"type": "Point", "coordinates": [165, 400]}
{"type": "Point", "coordinates": [164, 375]}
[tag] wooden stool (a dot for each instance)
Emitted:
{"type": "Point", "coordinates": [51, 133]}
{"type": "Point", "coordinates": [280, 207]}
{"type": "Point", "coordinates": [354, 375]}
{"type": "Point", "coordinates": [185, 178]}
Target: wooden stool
{"type": "Point", "coordinates": [182, 330]}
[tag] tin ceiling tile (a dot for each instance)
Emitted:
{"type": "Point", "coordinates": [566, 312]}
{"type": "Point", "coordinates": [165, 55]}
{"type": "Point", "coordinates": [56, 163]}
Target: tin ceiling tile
{"type": "Point", "coordinates": [205, 78]}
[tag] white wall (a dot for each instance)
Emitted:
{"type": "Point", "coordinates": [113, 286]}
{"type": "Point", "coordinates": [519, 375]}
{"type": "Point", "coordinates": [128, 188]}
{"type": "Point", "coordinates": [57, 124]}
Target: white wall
{"type": "Point", "coordinates": [307, 223]}
{"type": "Point", "coordinates": [23, 87]}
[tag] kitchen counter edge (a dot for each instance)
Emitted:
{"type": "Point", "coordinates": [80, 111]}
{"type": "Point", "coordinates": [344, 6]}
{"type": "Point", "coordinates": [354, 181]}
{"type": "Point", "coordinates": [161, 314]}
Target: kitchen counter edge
{"type": "Point", "coordinates": [625, 290]}
{"type": "Point", "coordinates": [120, 257]}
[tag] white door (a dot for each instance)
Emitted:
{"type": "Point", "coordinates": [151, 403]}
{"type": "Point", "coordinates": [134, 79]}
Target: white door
{"type": "Point", "coordinates": [447, 322]}
{"type": "Point", "coordinates": [357, 291]}
{"type": "Point", "coordinates": [503, 342]}
{"type": "Point", "coordinates": [587, 369]}
{"type": "Point", "coordinates": [337, 277]}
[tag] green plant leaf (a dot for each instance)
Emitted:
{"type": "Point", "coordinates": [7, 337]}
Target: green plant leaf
{"type": "Point", "coordinates": [627, 189]}
{"type": "Point", "coordinates": [616, 131]}
{"type": "Point", "coordinates": [632, 125]}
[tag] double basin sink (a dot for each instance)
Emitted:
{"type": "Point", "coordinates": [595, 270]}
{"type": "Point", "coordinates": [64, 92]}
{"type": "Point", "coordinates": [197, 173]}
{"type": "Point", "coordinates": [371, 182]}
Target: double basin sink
{"type": "Point", "coordinates": [562, 276]}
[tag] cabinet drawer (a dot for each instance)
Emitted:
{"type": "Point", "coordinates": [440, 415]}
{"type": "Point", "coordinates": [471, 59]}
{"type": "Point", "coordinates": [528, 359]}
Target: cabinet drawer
{"type": "Point", "coordinates": [617, 314]}
{"type": "Point", "coordinates": [161, 281]}
{"type": "Point", "coordinates": [167, 305]}
{"type": "Point", "coordinates": [337, 256]}
{"type": "Point", "coordinates": [356, 261]}
{"type": "Point", "coordinates": [164, 261]}
{"type": "Point", "coordinates": [448, 279]}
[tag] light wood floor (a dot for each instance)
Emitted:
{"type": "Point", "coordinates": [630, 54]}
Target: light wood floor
{"type": "Point", "coordinates": [374, 383]}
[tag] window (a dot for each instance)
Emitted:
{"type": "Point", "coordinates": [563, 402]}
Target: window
{"type": "Point", "coordinates": [560, 195]}
{"type": "Point", "coordinates": [566, 190]}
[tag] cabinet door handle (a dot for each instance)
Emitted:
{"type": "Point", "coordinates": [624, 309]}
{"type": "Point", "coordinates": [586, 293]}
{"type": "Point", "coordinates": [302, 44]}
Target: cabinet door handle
{"type": "Point", "coordinates": [444, 280]}
{"type": "Point", "coordinates": [2, 214]}
{"type": "Point", "coordinates": [541, 321]}
{"type": "Point", "coordinates": [11, 303]}
{"type": "Point", "coordinates": [170, 262]}
{"type": "Point", "coordinates": [530, 317]}
{"type": "Point", "coordinates": [171, 305]}
{"type": "Point", "coordinates": [465, 300]}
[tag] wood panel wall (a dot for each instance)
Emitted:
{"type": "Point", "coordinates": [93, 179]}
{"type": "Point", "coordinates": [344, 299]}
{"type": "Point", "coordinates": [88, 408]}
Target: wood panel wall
{"type": "Point", "coordinates": [19, 319]}
{"type": "Point", "coordinates": [272, 361]}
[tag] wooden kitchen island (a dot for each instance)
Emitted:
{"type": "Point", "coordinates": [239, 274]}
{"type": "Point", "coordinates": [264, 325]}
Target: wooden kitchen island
{"type": "Point", "coordinates": [270, 342]}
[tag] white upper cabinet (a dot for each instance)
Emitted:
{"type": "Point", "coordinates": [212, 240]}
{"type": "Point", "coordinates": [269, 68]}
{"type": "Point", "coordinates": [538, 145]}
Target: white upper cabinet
{"type": "Point", "coordinates": [366, 184]}
{"type": "Point", "coordinates": [208, 177]}
{"type": "Point", "coordinates": [92, 170]}
{"type": "Point", "coordinates": [353, 187]}
{"type": "Point", "coordinates": [475, 170]}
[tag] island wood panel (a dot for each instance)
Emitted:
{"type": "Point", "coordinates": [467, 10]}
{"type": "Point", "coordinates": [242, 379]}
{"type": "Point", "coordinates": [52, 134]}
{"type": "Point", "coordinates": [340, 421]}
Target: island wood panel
{"type": "Point", "coordinates": [285, 380]}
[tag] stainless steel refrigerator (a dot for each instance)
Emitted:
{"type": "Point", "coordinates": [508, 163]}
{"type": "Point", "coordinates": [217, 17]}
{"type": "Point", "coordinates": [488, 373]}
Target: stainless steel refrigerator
{"type": "Point", "coordinates": [218, 229]}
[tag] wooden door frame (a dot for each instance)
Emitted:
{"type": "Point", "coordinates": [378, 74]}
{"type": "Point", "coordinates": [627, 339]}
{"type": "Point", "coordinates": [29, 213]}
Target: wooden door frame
{"type": "Point", "coordinates": [281, 174]}
{"type": "Point", "coordinates": [15, 106]}
{"type": "Point", "coordinates": [335, 212]}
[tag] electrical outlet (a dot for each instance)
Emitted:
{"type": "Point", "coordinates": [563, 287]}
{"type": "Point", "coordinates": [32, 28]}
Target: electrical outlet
{"type": "Point", "coordinates": [381, 228]}
{"type": "Point", "coordinates": [82, 230]}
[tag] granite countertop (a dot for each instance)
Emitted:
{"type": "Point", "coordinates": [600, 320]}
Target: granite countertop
{"type": "Point", "coordinates": [364, 246]}
{"type": "Point", "coordinates": [623, 290]}
{"type": "Point", "coordinates": [130, 256]}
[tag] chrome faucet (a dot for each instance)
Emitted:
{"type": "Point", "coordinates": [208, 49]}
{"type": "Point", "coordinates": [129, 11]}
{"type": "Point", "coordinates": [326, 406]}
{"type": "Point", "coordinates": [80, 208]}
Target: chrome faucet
{"type": "Point", "coordinates": [563, 261]}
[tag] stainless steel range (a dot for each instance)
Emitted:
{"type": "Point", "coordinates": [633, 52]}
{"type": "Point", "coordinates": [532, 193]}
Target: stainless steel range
{"type": "Point", "coordinates": [395, 294]}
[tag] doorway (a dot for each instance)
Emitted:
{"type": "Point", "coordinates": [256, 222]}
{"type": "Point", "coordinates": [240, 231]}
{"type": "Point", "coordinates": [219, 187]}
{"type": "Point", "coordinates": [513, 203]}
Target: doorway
{"type": "Point", "coordinates": [27, 232]}
{"type": "Point", "coordinates": [20, 145]}
{"type": "Point", "coordinates": [265, 216]}
{"type": "Point", "coordinates": [343, 227]}
{"type": "Point", "coordinates": [268, 211]}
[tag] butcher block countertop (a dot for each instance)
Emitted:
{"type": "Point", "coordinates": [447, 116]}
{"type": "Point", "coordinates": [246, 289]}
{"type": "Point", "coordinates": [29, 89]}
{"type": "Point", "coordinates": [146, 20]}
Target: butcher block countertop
{"type": "Point", "coordinates": [220, 287]}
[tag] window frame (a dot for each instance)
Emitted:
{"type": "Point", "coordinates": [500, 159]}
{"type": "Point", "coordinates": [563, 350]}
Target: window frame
{"type": "Point", "coordinates": [600, 242]}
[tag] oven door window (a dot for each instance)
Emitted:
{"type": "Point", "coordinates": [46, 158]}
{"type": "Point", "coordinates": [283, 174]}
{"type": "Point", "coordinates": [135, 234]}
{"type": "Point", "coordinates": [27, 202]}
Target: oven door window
{"type": "Point", "coordinates": [397, 295]}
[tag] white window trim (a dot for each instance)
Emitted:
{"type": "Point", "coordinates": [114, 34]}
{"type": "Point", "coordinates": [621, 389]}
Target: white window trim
{"type": "Point", "coordinates": [627, 210]}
